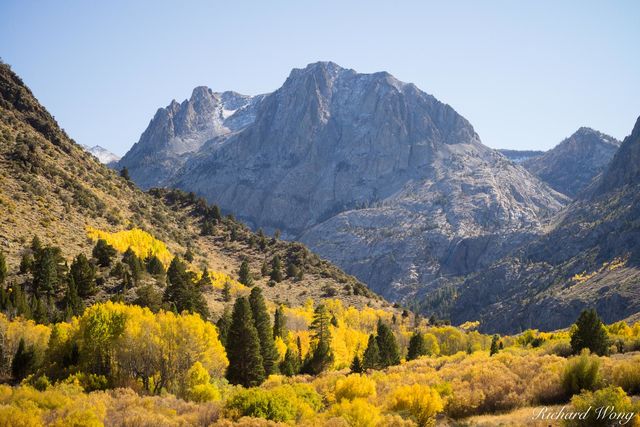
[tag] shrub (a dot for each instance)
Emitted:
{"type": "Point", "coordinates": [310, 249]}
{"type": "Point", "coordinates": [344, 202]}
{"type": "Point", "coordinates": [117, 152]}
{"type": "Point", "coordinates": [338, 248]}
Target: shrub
{"type": "Point", "coordinates": [606, 407]}
{"type": "Point", "coordinates": [282, 403]}
{"type": "Point", "coordinates": [357, 413]}
{"type": "Point", "coordinates": [199, 387]}
{"type": "Point", "coordinates": [355, 386]}
{"type": "Point", "coordinates": [581, 373]}
{"type": "Point", "coordinates": [627, 375]}
{"type": "Point", "coordinates": [420, 402]}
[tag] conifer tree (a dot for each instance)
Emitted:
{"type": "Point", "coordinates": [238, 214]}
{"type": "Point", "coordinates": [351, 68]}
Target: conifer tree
{"type": "Point", "coordinates": [356, 365]}
{"type": "Point", "coordinates": [3, 268]}
{"type": "Point", "coordinates": [23, 361]}
{"type": "Point", "coordinates": [387, 346]}
{"type": "Point", "coordinates": [371, 357]}
{"type": "Point", "coordinates": [322, 357]}
{"type": "Point", "coordinates": [36, 245]}
{"type": "Point", "coordinates": [223, 324]}
{"type": "Point", "coordinates": [276, 269]}
{"type": "Point", "coordinates": [72, 302]}
{"type": "Point", "coordinates": [243, 348]}
{"type": "Point", "coordinates": [135, 264]}
{"type": "Point", "coordinates": [265, 332]}
{"type": "Point", "coordinates": [417, 346]}
{"type": "Point", "coordinates": [83, 275]}
{"type": "Point", "coordinates": [280, 324]}
{"type": "Point", "coordinates": [182, 291]}
{"type": "Point", "coordinates": [26, 263]}
{"type": "Point", "coordinates": [291, 364]}
{"type": "Point", "coordinates": [215, 213]}
{"type": "Point", "coordinates": [589, 332]}
{"type": "Point", "coordinates": [494, 345]}
{"type": "Point", "coordinates": [48, 271]}
{"type": "Point", "coordinates": [148, 296]}
{"type": "Point", "coordinates": [264, 270]}
{"type": "Point", "coordinates": [154, 266]}
{"type": "Point", "coordinates": [103, 252]}
{"type": "Point", "coordinates": [226, 292]}
{"type": "Point", "coordinates": [244, 276]}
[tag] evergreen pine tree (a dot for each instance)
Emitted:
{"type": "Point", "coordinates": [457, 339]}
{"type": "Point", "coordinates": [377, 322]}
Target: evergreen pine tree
{"type": "Point", "coordinates": [103, 252]}
{"type": "Point", "coordinates": [264, 270]}
{"type": "Point", "coordinates": [182, 291]}
{"type": "Point", "coordinates": [72, 302]}
{"type": "Point", "coordinates": [26, 263]}
{"type": "Point", "coordinates": [265, 332]}
{"type": "Point", "coordinates": [135, 264]}
{"type": "Point", "coordinates": [83, 275]}
{"type": "Point", "coordinates": [223, 324]}
{"type": "Point", "coordinates": [494, 345]}
{"type": "Point", "coordinates": [23, 361]}
{"type": "Point", "coordinates": [371, 357]}
{"type": "Point", "coordinates": [148, 296]}
{"type": "Point", "coordinates": [589, 332]}
{"type": "Point", "coordinates": [276, 269]}
{"type": "Point", "coordinates": [280, 324]}
{"type": "Point", "coordinates": [417, 346]}
{"type": "Point", "coordinates": [3, 268]}
{"type": "Point", "coordinates": [48, 271]}
{"type": "Point", "coordinates": [36, 245]}
{"type": "Point", "coordinates": [154, 266]}
{"type": "Point", "coordinates": [226, 292]}
{"type": "Point", "coordinates": [243, 348]}
{"type": "Point", "coordinates": [291, 364]}
{"type": "Point", "coordinates": [356, 365]}
{"type": "Point", "coordinates": [321, 357]}
{"type": "Point", "coordinates": [292, 270]}
{"type": "Point", "coordinates": [215, 213]}
{"type": "Point", "coordinates": [244, 276]}
{"type": "Point", "coordinates": [387, 346]}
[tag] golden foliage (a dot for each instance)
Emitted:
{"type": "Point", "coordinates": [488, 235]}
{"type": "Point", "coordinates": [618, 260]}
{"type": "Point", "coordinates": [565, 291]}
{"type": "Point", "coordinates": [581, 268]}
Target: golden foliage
{"type": "Point", "coordinates": [140, 242]}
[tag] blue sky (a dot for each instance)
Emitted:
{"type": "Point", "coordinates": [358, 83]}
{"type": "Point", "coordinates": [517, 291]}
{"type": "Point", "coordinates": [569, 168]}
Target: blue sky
{"type": "Point", "coordinates": [525, 74]}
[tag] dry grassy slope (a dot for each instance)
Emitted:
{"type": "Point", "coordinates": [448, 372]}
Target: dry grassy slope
{"type": "Point", "coordinates": [50, 187]}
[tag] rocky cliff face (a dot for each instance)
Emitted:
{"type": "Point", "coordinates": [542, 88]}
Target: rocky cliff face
{"type": "Point", "coordinates": [590, 257]}
{"type": "Point", "coordinates": [373, 174]}
{"type": "Point", "coordinates": [180, 129]}
{"type": "Point", "coordinates": [571, 166]}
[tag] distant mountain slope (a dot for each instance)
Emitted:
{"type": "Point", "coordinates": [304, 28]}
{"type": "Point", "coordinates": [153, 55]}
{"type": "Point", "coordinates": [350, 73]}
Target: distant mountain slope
{"type": "Point", "coordinates": [589, 257]}
{"type": "Point", "coordinates": [571, 165]}
{"type": "Point", "coordinates": [375, 175]}
{"type": "Point", "coordinates": [105, 156]}
{"type": "Point", "coordinates": [53, 189]}
{"type": "Point", "coordinates": [519, 156]}
{"type": "Point", "coordinates": [181, 129]}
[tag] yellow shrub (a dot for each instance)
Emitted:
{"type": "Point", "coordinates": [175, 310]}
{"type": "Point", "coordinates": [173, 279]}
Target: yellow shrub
{"type": "Point", "coordinates": [199, 387]}
{"type": "Point", "coordinates": [421, 402]}
{"type": "Point", "coordinates": [25, 416]}
{"type": "Point", "coordinates": [355, 386]}
{"type": "Point", "coordinates": [357, 413]}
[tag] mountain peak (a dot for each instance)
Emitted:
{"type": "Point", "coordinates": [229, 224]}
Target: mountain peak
{"type": "Point", "coordinates": [570, 166]}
